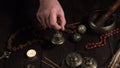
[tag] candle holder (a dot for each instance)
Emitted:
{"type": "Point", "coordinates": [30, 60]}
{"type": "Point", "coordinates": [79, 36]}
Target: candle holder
{"type": "Point", "coordinates": [31, 53]}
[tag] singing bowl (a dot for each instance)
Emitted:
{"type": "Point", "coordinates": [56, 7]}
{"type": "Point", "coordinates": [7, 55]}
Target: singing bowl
{"type": "Point", "coordinates": [108, 25]}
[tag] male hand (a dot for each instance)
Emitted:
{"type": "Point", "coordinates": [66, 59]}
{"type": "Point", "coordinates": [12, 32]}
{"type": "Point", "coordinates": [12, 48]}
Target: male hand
{"type": "Point", "coordinates": [49, 12]}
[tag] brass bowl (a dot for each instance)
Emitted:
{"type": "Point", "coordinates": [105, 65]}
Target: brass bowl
{"type": "Point", "coordinates": [108, 25]}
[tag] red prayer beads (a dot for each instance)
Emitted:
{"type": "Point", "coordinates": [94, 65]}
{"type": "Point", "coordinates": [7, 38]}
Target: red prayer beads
{"type": "Point", "coordinates": [103, 38]}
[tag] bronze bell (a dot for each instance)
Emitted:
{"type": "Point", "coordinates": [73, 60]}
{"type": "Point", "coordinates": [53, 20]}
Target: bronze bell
{"type": "Point", "coordinates": [58, 38]}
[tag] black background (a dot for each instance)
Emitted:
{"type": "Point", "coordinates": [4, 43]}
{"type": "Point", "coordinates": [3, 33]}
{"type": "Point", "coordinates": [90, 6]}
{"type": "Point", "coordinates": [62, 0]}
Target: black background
{"type": "Point", "coordinates": [16, 14]}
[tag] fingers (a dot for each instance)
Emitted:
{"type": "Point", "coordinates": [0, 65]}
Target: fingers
{"type": "Point", "coordinates": [48, 13]}
{"type": "Point", "coordinates": [50, 20]}
{"type": "Point", "coordinates": [53, 21]}
{"type": "Point", "coordinates": [63, 21]}
{"type": "Point", "coordinates": [47, 22]}
{"type": "Point", "coordinates": [41, 20]}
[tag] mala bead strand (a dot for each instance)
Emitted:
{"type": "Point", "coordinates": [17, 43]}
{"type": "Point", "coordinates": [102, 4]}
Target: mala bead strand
{"type": "Point", "coordinates": [103, 38]}
{"type": "Point", "coordinates": [70, 29]}
{"type": "Point", "coordinates": [20, 46]}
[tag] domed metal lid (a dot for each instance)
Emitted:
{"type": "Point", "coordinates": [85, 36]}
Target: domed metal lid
{"type": "Point", "coordinates": [73, 60]}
